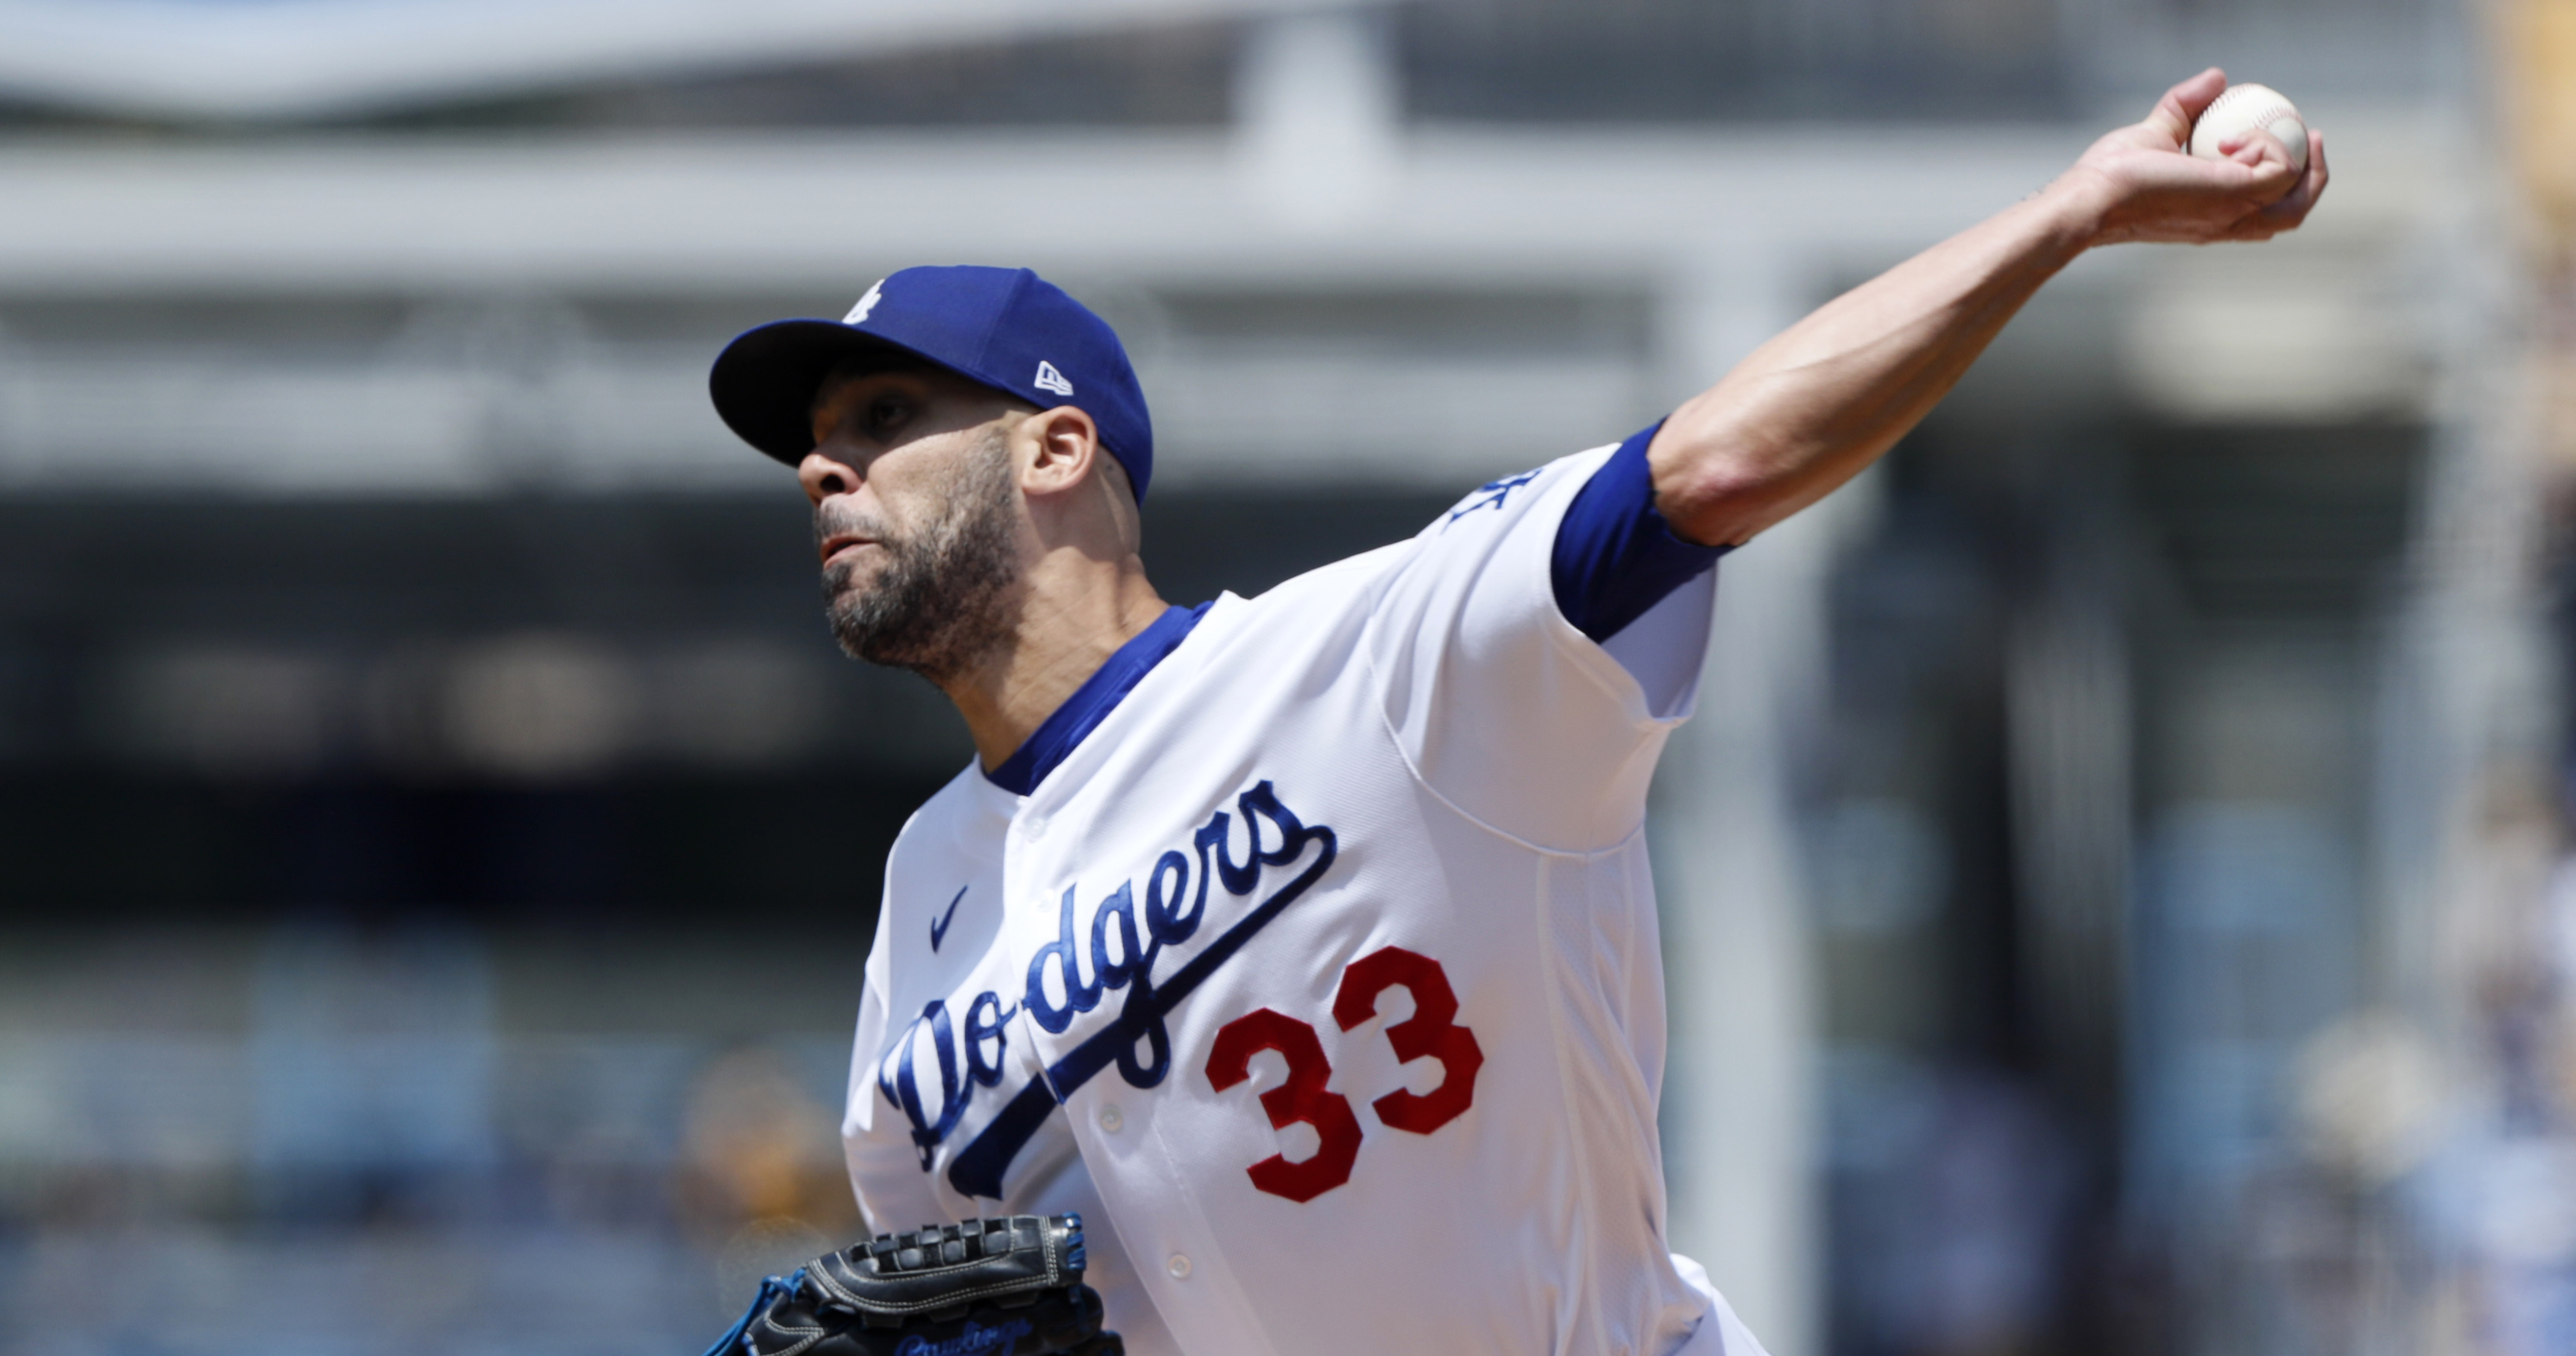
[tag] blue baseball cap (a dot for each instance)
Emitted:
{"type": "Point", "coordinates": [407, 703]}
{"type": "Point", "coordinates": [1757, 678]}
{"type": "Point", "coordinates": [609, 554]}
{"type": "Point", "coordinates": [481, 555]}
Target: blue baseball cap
{"type": "Point", "coordinates": [1007, 328]}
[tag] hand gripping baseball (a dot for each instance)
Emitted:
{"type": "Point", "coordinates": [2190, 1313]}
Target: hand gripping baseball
{"type": "Point", "coordinates": [2146, 184]}
{"type": "Point", "coordinates": [985, 1287]}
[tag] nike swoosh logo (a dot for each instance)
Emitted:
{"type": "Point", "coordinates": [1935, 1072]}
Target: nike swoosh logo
{"type": "Point", "coordinates": [939, 925]}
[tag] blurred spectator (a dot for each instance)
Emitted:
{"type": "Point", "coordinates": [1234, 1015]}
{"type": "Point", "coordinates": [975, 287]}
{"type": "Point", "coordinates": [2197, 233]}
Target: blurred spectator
{"type": "Point", "coordinates": [762, 1169]}
{"type": "Point", "coordinates": [1958, 1191]}
{"type": "Point", "coordinates": [374, 1061]}
{"type": "Point", "coordinates": [760, 1145]}
{"type": "Point", "coordinates": [2503, 1189]}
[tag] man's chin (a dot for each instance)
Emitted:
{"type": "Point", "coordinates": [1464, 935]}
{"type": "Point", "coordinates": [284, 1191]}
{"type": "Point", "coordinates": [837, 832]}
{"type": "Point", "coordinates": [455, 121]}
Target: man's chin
{"type": "Point", "coordinates": [861, 645]}
{"type": "Point", "coordinates": [854, 571]}
{"type": "Point", "coordinates": [875, 639]}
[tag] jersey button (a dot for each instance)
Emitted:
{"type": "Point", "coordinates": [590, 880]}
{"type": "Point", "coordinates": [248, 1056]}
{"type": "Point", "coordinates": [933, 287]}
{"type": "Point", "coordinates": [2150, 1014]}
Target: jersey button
{"type": "Point", "coordinates": [1179, 1267]}
{"type": "Point", "coordinates": [1110, 1120]}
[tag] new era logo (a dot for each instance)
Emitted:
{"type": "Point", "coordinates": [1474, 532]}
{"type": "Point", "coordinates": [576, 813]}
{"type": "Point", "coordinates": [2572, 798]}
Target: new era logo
{"type": "Point", "coordinates": [1048, 379]}
{"type": "Point", "coordinates": [876, 291]}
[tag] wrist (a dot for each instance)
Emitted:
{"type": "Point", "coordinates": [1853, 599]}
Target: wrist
{"type": "Point", "coordinates": [2077, 209]}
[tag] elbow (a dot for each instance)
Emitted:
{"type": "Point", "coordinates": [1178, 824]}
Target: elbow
{"type": "Point", "coordinates": [1722, 497]}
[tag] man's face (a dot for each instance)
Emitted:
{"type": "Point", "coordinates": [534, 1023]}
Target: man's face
{"type": "Point", "coordinates": [916, 516]}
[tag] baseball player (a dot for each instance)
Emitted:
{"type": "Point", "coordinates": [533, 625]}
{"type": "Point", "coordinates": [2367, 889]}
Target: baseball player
{"type": "Point", "coordinates": [1307, 940]}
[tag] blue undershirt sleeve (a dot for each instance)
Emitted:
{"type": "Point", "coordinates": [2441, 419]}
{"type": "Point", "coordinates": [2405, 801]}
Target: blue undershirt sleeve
{"type": "Point", "coordinates": [1615, 556]}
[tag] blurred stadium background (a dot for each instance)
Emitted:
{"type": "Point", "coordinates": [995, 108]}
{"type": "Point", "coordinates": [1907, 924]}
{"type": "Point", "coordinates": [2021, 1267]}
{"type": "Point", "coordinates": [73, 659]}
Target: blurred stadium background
{"type": "Point", "coordinates": [2117, 888]}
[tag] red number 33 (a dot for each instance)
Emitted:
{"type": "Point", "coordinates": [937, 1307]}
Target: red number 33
{"type": "Point", "coordinates": [1432, 1031]}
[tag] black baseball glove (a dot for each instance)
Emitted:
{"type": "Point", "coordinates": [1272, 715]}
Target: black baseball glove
{"type": "Point", "coordinates": [981, 1288]}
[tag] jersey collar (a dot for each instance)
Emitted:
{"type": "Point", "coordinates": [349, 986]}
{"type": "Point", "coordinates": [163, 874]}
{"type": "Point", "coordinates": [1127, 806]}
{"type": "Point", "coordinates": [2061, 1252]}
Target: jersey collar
{"type": "Point", "coordinates": [1057, 736]}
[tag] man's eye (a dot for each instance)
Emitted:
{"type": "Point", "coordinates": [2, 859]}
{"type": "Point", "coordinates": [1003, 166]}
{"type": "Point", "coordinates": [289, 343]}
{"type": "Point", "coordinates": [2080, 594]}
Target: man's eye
{"type": "Point", "coordinates": [887, 415]}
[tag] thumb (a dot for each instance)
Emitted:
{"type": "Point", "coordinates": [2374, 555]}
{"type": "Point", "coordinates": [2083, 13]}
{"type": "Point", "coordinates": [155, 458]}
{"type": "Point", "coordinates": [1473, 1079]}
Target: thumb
{"type": "Point", "coordinates": [2184, 103]}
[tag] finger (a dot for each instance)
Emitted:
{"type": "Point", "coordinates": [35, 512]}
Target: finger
{"type": "Point", "coordinates": [2285, 215]}
{"type": "Point", "coordinates": [2260, 141]}
{"type": "Point", "coordinates": [2265, 154]}
{"type": "Point", "coordinates": [2248, 176]}
{"type": "Point", "coordinates": [2294, 207]}
{"type": "Point", "coordinates": [2256, 228]}
{"type": "Point", "coordinates": [2184, 103]}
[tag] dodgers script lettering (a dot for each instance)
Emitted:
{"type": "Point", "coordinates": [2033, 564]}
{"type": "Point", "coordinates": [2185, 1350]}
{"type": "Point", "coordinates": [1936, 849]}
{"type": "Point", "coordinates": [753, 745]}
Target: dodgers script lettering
{"type": "Point", "coordinates": [1116, 954]}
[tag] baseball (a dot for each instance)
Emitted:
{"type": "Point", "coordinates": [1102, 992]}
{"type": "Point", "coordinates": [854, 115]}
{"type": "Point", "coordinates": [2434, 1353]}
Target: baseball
{"type": "Point", "coordinates": [2244, 107]}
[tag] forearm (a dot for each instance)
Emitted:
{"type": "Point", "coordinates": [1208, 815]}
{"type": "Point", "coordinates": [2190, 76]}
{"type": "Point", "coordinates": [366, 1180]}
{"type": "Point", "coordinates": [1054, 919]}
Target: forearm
{"type": "Point", "coordinates": [1816, 405]}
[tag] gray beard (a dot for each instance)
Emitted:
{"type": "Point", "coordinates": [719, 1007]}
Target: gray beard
{"type": "Point", "coordinates": [941, 600]}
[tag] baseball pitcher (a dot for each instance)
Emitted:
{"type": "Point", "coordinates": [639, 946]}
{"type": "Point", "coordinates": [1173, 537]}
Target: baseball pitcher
{"type": "Point", "coordinates": [1303, 947]}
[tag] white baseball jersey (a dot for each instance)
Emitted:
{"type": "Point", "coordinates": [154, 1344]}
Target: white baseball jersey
{"type": "Point", "coordinates": [1320, 973]}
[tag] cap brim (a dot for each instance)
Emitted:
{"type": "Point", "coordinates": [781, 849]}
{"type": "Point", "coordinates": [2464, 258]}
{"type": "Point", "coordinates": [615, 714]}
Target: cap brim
{"type": "Point", "coordinates": [763, 383]}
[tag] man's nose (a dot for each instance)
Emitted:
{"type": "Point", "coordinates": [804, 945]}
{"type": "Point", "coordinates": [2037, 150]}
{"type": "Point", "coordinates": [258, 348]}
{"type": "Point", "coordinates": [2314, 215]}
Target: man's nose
{"type": "Point", "coordinates": [824, 475]}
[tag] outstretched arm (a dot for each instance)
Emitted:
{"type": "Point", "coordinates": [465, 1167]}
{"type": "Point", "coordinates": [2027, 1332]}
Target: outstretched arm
{"type": "Point", "coordinates": [1816, 405]}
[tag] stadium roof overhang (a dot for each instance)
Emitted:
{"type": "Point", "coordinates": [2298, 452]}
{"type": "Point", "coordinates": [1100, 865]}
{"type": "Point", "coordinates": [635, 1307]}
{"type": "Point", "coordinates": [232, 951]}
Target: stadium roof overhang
{"type": "Point", "coordinates": [254, 60]}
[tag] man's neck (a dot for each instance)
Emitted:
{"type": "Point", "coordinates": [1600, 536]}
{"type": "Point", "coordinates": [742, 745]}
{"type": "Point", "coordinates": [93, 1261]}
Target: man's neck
{"type": "Point", "coordinates": [1075, 614]}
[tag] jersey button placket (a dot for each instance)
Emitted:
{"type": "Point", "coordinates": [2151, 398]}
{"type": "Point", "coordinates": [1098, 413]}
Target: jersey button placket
{"type": "Point", "coordinates": [1179, 1266]}
{"type": "Point", "coordinates": [1110, 1119]}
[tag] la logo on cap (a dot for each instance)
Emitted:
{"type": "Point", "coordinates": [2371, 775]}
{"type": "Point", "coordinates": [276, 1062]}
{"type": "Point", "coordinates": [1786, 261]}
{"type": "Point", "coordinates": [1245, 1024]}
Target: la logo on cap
{"type": "Point", "coordinates": [876, 291]}
{"type": "Point", "coordinates": [1048, 379]}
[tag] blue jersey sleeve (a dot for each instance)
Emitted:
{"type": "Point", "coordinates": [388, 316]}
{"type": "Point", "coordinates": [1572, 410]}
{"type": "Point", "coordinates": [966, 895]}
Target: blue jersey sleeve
{"type": "Point", "coordinates": [1615, 556]}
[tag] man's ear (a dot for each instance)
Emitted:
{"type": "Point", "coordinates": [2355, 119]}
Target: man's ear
{"type": "Point", "coordinates": [1061, 449]}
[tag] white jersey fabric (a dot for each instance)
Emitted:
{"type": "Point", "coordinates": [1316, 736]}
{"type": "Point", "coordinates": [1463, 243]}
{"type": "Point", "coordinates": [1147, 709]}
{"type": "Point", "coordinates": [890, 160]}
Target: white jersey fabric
{"type": "Point", "coordinates": [1322, 976]}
